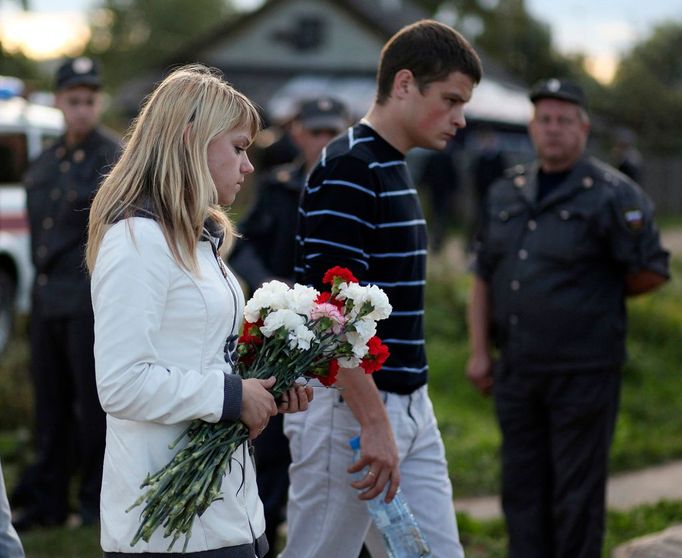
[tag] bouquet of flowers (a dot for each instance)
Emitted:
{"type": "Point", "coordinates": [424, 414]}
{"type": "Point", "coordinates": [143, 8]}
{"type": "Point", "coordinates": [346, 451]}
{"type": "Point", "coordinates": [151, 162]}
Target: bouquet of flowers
{"type": "Point", "coordinates": [288, 333]}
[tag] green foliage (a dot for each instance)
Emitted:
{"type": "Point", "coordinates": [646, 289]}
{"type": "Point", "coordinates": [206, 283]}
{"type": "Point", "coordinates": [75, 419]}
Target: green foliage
{"type": "Point", "coordinates": [650, 417]}
{"type": "Point", "coordinates": [466, 419]}
{"type": "Point", "coordinates": [512, 37]}
{"type": "Point", "coordinates": [62, 543]}
{"type": "Point", "coordinates": [19, 65]}
{"type": "Point", "coordinates": [624, 526]}
{"type": "Point", "coordinates": [481, 539]}
{"type": "Point", "coordinates": [646, 94]}
{"type": "Point", "coordinates": [16, 396]}
{"type": "Point", "coordinates": [488, 539]}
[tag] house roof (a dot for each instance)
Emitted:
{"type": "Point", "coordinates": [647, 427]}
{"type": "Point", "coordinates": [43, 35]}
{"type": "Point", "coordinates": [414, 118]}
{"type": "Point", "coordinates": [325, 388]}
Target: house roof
{"type": "Point", "coordinates": [278, 83]}
{"type": "Point", "coordinates": [381, 17]}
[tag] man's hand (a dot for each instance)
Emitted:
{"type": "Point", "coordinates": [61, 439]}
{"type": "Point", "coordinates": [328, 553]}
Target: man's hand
{"type": "Point", "coordinates": [378, 450]}
{"type": "Point", "coordinates": [379, 453]}
{"type": "Point", "coordinates": [258, 404]}
{"type": "Point", "coordinates": [480, 372]}
{"type": "Point", "coordinates": [296, 399]}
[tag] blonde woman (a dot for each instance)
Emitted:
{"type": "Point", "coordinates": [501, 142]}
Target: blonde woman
{"type": "Point", "coordinates": [164, 305]}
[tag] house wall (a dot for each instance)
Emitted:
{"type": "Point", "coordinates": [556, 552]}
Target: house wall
{"type": "Point", "coordinates": [344, 45]}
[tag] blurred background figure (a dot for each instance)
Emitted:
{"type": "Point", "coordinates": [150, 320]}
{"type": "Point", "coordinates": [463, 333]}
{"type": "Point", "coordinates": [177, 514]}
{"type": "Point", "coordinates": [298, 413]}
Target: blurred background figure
{"type": "Point", "coordinates": [625, 156]}
{"type": "Point", "coordinates": [543, 277]}
{"type": "Point", "coordinates": [276, 145]}
{"type": "Point", "coordinates": [10, 545]}
{"type": "Point", "coordinates": [69, 422]}
{"type": "Point", "coordinates": [440, 181]}
{"type": "Point", "coordinates": [487, 167]}
{"type": "Point", "coordinates": [266, 251]}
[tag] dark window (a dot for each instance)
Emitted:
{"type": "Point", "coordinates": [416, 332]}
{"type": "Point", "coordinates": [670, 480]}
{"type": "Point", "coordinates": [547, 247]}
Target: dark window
{"type": "Point", "coordinates": [13, 157]}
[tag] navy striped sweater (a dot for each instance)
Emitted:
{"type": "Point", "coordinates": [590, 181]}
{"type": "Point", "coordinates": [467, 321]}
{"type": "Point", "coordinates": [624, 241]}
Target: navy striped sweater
{"type": "Point", "coordinates": [360, 210]}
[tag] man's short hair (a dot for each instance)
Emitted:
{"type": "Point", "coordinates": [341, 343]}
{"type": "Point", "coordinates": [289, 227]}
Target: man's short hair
{"type": "Point", "coordinates": [431, 51]}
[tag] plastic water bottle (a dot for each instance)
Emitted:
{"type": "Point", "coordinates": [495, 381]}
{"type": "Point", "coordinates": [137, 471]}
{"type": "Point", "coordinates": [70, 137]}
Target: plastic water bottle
{"type": "Point", "coordinates": [395, 521]}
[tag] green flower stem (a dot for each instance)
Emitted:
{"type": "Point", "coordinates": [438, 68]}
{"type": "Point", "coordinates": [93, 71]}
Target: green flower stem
{"type": "Point", "coordinates": [185, 487]}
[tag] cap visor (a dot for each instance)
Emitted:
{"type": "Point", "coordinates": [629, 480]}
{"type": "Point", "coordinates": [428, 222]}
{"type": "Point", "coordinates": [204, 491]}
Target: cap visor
{"type": "Point", "coordinates": [75, 81]}
{"type": "Point", "coordinates": [324, 123]}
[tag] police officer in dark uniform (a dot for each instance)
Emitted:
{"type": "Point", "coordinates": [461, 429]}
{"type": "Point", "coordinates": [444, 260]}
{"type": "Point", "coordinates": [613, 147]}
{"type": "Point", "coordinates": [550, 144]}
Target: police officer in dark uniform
{"type": "Point", "coordinates": [566, 239]}
{"type": "Point", "coordinates": [69, 422]}
{"type": "Point", "coordinates": [266, 252]}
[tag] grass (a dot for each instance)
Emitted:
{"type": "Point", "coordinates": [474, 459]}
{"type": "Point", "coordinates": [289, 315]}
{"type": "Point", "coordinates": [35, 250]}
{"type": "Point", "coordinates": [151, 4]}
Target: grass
{"type": "Point", "coordinates": [481, 539]}
{"type": "Point", "coordinates": [488, 539]}
{"type": "Point", "coordinates": [647, 432]}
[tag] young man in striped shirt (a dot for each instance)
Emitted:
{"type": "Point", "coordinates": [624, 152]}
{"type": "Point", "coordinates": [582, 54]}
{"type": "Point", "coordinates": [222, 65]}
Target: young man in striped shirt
{"type": "Point", "coordinates": [361, 211]}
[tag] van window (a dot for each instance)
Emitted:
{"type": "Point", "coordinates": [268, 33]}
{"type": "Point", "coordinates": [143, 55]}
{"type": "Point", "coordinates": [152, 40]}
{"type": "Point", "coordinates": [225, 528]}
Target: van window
{"type": "Point", "coordinates": [13, 157]}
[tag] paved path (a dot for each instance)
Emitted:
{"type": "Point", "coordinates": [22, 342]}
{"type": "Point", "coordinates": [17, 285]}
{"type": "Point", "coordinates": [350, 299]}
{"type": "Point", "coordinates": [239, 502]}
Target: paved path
{"type": "Point", "coordinates": [625, 491]}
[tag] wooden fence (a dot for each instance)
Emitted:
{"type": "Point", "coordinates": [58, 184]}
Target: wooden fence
{"type": "Point", "coordinates": [662, 180]}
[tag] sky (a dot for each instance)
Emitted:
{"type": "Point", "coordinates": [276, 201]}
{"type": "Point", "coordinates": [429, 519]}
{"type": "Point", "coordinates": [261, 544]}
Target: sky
{"type": "Point", "coordinates": [604, 30]}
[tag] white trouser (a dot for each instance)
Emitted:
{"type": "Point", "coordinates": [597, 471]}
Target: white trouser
{"type": "Point", "coordinates": [10, 546]}
{"type": "Point", "coordinates": [325, 518]}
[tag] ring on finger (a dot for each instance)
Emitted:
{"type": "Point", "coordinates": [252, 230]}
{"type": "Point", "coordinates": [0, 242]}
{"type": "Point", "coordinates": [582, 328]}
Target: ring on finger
{"type": "Point", "coordinates": [371, 474]}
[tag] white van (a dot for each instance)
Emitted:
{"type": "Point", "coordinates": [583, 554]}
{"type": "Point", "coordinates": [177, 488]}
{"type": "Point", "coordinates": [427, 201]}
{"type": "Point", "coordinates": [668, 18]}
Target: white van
{"type": "Point", "coordinates": [25, 130]}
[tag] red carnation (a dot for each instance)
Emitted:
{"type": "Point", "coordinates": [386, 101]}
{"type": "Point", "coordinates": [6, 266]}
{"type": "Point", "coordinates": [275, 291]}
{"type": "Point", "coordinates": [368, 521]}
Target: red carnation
{"type": "Point", "coordinates": [376, 355]}
{"type": "Point", "coordinates": [323, 297]}
{"type": "Point", "coordinates": [332, 371]}
{"type": "Point", "coordinates": [251, 333]}
{"type": "Point", "coordinates": [342, 273]}
{"type": "Point", "coordinates": [327, 298]}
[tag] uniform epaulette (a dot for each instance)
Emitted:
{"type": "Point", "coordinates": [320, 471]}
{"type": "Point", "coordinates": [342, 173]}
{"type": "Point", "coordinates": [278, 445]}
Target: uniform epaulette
{"type": "Point", "coordinates": [609, 176]}
{"type": "Point", "coordinates": [516, 170]}
{"type": "Point", "coordinates": [282, 173]}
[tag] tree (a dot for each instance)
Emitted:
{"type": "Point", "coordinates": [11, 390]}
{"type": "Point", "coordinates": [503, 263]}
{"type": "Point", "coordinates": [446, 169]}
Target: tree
{"type": "Point", "coordinates": [511, 36]}
{"type": "Point", "coordinates": [129, 36]}
{"type": "Point", "coordinates": [17, 64]}
{"type": "Point", "coordinates": [646, 94]}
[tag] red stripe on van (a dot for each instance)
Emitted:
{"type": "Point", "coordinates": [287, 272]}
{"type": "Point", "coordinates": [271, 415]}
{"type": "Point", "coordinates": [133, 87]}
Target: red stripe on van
{"type": "Point", "coordinates": [17, 222]}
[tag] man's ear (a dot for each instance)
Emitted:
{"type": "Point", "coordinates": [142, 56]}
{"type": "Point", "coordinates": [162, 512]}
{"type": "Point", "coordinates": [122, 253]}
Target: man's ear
{"type": "Point", "coordinates": [403, 81]}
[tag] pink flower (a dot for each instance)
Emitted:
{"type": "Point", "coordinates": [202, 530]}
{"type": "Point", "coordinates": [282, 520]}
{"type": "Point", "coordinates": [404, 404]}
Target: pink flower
{"type": "Point", "coordinates": [330, 312]}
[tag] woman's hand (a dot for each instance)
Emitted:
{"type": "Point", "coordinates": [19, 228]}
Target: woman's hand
{"type": "Point", "coordinates": [258, 404]}
{"type": "Point", "coordinates": [296, 399]}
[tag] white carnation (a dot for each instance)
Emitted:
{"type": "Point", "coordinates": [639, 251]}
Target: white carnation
{"type": "Point", "coordinates": [365, 329]}
{"type": "Point", "coordinates": [381, 309]}
{"type": "Point", "coordinates": [353, 291]}
{"type": "Point", "coordinates": [349, 362]}
{"type": "Point", "coordinates": [301, 338]}
{"type": "Point", "coordinates": [360, 350]}
{"type": "Point", "coordinates": [286, 318]}
{"type": "Point", "coordinates": [301, 299]}
{"type": "Point", "coordinates": [271, 296]}
{"type": "Point", "coordinates": [379, 300]}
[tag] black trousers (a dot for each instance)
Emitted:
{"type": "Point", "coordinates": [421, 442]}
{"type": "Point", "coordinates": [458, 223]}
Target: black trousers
{"type": "Point", "coordinates": [69, 422]}
{"type": "Point", "coordinates": [556, 431]}
{"type": "Point", "coordinates": [272, 475]}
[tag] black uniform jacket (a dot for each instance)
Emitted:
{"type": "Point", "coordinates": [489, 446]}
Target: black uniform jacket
{"type": "Point", "coordinates": [267, 247]}
{"type": "Point", "coordinates": [556, 268]}
{"type": "Point", "coordinates": [60, 185]}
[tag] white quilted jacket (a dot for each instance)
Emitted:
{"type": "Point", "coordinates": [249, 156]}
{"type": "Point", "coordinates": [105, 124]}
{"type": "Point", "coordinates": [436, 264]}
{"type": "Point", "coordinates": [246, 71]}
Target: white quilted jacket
{"type": "Point", "coordinates": [159, 339]}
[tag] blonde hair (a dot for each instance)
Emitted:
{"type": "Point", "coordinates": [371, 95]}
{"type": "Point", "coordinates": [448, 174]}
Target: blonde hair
{"type": "Point", "coordinates": [164, 167]}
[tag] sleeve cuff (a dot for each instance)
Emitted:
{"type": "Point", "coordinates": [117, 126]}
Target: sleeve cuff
{"type": "Point", "coordinates": [232, 400]}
